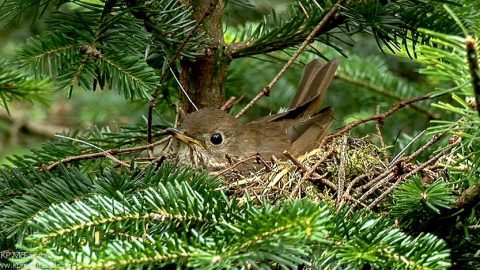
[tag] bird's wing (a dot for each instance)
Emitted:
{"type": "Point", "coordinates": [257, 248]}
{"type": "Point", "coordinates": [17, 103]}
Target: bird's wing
{"type": "Point", "coordinates": [305, 133]}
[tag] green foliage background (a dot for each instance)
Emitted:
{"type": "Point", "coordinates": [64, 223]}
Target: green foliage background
{"type": "Point", "coordinates": [87, 68]}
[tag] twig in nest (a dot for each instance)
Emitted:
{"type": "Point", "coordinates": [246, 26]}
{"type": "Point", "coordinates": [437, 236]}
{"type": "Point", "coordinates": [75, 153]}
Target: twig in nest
{"type": "Point", "coordinates": [263, 161]}
{"type": "Point", "coordinates": [324, 181]}
{"type": "Point", "coordinates": [236, 164]}
{"type": "Point", "coordinates": [105, 153]}
{"type": "Point", "coordinates": [318, 163]}
{"type": "Point", "coordinates": [309, 172]}
{"type": "Point", "coordinates": [422, 149]}
{"type": "Point", "coordinates": [407, 175]}
{"type": "Point", "coordinates": [378, 127]}
{"type": "Point", "coordinates": [390, 173]}
{"type": "Point", "coordinates": [375, 185]}
{"type": "Point", "coordinates": [341, 171]}
{"type": "Point", "coordinates": [400, 154]}
{"type": "Point", "coordinates": [227, 105]}
{"type": "Point", "coordinates": [356, 180]}
{"type": "Point", "coordinates": [333, 187]}
{"type": "Point", "coordinates": [350, 186]}
{"type": "Point", "coordinates": [382, 116]}
{"type": "Point", "coordinates": [310, 38]}
{"type": "Point", "coordinates": [295, 161]}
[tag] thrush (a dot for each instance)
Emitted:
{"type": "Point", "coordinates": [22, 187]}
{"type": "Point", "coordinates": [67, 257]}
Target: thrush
{"type": "Point", "coordinates": [213, 139]}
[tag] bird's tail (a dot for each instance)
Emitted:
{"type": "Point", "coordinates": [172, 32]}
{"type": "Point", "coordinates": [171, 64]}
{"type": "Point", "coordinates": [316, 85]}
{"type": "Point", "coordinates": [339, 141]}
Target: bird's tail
{"type": "Point", "coordinates": [313, 87]}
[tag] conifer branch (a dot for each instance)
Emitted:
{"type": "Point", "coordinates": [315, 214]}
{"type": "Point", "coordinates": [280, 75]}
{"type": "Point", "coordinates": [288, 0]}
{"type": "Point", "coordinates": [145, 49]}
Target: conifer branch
{"type": "Point", "coordinates": [309, 39]}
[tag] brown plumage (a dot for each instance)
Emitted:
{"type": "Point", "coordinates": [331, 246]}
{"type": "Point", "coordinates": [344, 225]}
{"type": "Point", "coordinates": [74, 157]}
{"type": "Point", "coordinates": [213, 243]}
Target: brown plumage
{"type": "Point", "coordinates": [215, 137]}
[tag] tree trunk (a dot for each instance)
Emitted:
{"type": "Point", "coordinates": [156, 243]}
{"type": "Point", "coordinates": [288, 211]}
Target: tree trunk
{"type": "Point", "coordinates": [204, 77]}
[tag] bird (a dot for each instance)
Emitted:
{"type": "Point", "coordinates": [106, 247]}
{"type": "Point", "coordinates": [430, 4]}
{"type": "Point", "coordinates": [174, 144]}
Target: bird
{"type": "Point", "coordinates": [213, 139]}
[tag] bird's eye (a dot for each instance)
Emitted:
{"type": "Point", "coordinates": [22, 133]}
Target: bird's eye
{"type": "Point", "coordinates": [216, 138]}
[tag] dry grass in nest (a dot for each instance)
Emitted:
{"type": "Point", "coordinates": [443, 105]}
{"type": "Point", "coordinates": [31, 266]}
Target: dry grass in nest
{"type": "Point", "coordinates": [286, 180]}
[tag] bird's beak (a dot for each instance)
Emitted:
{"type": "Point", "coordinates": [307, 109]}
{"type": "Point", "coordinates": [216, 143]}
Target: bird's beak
{"type": "Point", "coordinates": [184, 138]}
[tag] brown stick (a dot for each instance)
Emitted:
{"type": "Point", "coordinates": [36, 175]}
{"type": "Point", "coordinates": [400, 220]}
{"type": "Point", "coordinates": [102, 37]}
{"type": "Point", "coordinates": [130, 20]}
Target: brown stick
{"type": "Point", "coordinates": [227, 105]}
{"type": "Point", "coordinates": [341, 172]}
{"type": "Point", "coordinates": [390, 173]}
{"type": "Point", "coordinates": [318, 163]}
{"type": "Point", "coordinates": [104, 153]}
{"type": "Point", "coordinates": [377, 185]}
{"type": "Point", "coordinates": [236, 164]}
{"type": "Point", "coordinates": [309, 172]}
{"type": "Point", "coordinates": [263, 161]}
{"type": "Point", "coordinates": [422, 149]}
{"type": "Point", "coordinates": [378, 127]}
{"type": "Point", "coordinates": [403, 177]}
{"type": "Point", "coordinates": [356, 180]}
{"type": "Point", "coordinates": [377, 178]}
{"type": "Point", "coordinates": [295, 161]}
{"type": "Point", "coordinates": [382, 116]}
{"type": "Point", "coordinates": [310, 38]}
{"type": "Point", "coordinates": [470, 196]}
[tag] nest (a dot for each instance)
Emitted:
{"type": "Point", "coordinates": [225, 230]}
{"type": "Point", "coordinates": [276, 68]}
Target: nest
{"type": "Point", "coordinates": [319, 174]}
{"type": "Point", "coordinates": [342, 169]}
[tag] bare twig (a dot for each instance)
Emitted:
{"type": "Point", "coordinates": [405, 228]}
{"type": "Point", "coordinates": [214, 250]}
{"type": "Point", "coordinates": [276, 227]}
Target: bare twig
{"type": "Point", "coordinates": [404, 177]}
{"type": "Point", "coordinates": [295, 161]}
{"type": "Point", "coordinates": [378, 127]}
{"type": "Point", "coordinates": [263, 161]}
{"type": "Point", "coordinates": [377, 185]}
{"type": "Point", "coordinates": [108, 155]}
{"type": "Point", "coordinates": [341, 172]}
{"type": "Point", "coordinates": [422, 149]}
{"type": "Point", "coordinates": [104, 154]}
{"type": "Point", "coordinates": [183, 90]}
{"type": "Point", "coordinates": [468, 197]}
{"type": "Point", "coordinates": [227, 105]}
{"type": "Point", "coordinates": [400, 154]}
{"type": "Point", "coordinates": [383, 92]}
{"type": "Point", "coordinates": [390, 173]}
{"type": "Point", "coordinates": [324, 181]}
{"type": "Point", "coordinates": [310, 38]}
{"type": "Point", "coordinates": [333, 187]}
{"type": "Point", "coordinates": [236, 164]}
{"type": "Point", "coordinates": [318, 163]}
{"type": "Point", "coordinates": [356, 180]}
{"type": "Point", "coordinates": [382, 116]}
{"type": "Point", "coordinates": [310, 172]}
